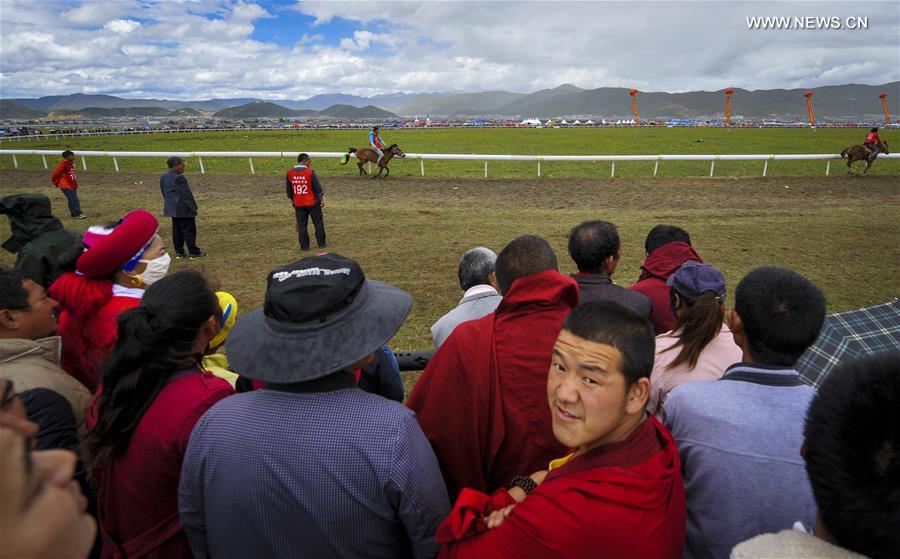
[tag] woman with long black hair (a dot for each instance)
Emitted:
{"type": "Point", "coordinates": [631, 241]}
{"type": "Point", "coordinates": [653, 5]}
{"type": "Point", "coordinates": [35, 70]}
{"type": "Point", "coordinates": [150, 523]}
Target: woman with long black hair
{"type": "Point", "coordinates": [701, 345]}
{"type": "Point", "coordinates": [152, 394]}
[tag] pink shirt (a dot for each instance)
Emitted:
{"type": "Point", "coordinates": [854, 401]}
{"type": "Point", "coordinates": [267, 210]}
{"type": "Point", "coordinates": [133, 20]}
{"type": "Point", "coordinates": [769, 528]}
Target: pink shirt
{"type": "Point", "coordinates": [717, 356]}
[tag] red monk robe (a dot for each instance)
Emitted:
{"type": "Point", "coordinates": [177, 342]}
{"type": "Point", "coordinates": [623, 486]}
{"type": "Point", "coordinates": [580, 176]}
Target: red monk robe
{"type": "Point", "coordinates": [625, 499]}
{"type": "Point", "coordinates": [482, 400]}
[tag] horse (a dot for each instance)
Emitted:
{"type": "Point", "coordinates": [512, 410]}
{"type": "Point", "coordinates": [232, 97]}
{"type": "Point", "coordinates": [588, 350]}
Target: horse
{"type": "Point", "coordinates": [368, 155]}
{"type": "Point", "coordinates": [861, 153]}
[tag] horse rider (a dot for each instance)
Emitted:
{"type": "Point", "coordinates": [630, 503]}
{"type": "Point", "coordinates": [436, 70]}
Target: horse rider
{"type": "Point", "coordinates": [871, 143]}
{"type": "Point", "coordinates": [376, 143]}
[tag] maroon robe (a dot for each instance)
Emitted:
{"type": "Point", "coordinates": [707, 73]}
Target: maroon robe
{"type": "Point", "coordinates": [482, 400]}
{"type": "Point", "coordinates": [625, 499]}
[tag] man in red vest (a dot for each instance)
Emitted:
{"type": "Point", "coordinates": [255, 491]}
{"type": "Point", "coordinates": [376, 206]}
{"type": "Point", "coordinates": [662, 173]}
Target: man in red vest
{"type": "Point", "coordinates": [64, 179]}
{"type": "Point", "coordinates": [303, 188]}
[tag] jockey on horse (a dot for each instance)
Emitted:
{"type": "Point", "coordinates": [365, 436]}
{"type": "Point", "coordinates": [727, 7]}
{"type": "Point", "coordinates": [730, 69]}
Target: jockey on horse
{"type": "Point", "coordinates": [871, 144]}
{"type": "Point", "coordinates": [376, 143]}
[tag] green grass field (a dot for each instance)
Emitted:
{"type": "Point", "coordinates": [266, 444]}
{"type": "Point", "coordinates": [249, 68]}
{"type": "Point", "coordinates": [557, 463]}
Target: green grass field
{"type": "Point", "coordinates": [551, 141]}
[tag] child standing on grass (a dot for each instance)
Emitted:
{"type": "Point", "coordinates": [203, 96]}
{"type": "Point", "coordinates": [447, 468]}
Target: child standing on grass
{"type": "Point", "coordinates": [64, 179]}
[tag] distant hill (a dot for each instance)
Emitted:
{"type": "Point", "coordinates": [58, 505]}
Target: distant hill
{"type": "Point", "coordinates": [831, 101]}
{"type": "Point", "coordinates": [265, 109]}
{"type": "Point", "coordinates": [94, 112]}
{"type": "Point", "coordinates": [851, 100]}
{"type": "Point", "coordinates": [78, 101]}
{"type": "Point", "coordinates": [187, 111]}
{"type": "Point", "coordinates": [10, 110]}
{"type": "Point", "coordinates": [347, 111]}
{"type": "Point", "coordinates": [462, 103]}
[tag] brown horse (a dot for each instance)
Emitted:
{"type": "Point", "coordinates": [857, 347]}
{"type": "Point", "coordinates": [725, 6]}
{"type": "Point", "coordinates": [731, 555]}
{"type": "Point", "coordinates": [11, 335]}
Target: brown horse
{"type": "Point", "coordinates": [368, 155]}
{"type": "Point", "coordinates": [862, 153]}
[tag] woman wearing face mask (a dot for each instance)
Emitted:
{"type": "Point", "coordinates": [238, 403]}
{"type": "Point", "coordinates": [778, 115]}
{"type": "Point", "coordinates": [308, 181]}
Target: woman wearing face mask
{"type": "Point", "coordinates": [110, 275]}
{"type": "Point", "coordinates": [154, 392]}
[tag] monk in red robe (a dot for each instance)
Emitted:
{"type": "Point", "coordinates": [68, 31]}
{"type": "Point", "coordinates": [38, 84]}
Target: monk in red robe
{"type": "Point", "coordinates": [620, 492]}
{"type": "Point", "coordinates": [480, 400]}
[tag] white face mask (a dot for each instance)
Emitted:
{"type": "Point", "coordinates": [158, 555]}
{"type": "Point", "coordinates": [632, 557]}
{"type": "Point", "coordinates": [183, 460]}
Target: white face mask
{"type": "Point", "coordinates": [156, 269]}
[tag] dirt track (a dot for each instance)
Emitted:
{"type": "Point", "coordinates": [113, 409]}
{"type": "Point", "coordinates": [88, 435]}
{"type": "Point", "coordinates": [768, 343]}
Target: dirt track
{"type": "Point", "coordinates": [623, 194]}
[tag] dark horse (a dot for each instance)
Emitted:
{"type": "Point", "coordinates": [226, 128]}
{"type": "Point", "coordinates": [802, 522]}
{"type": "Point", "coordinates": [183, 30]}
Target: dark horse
{"type": "Point", "coordinates": [862, 153]}
{"type": "Point", "coordinates": [368, 155]}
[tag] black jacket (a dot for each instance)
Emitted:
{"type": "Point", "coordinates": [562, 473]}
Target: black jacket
{"type": "Point", "coordinates": [179, 200]}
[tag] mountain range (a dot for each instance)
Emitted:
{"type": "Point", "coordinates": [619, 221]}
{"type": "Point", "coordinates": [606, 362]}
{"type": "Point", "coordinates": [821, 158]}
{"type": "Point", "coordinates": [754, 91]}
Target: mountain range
{"type": "Point", "coordinates": [850, 100]}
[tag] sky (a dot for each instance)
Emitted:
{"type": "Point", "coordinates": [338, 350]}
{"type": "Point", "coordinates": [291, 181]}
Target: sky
{"type": "Point", "coordinates": [277, 50]}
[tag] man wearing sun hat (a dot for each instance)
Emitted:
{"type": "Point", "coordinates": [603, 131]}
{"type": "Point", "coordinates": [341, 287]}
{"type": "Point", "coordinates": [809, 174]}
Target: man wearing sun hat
{"type": "Point", "coordinates": [311, 465]}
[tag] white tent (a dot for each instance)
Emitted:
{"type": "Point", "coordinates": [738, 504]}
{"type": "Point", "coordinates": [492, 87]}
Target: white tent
{"type": "Point", "coordinates": [530, 122]}
{"type": "Point", "coordinates": [589, 121]}
{"type": "Point", "coordinates": [563, 121]}
{"type": "Point", "coordinates": [577, 122]}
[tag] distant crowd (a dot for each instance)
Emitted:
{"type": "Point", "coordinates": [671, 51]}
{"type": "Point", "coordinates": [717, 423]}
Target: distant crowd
{"type": "Point", "coordinates": [560, 416]}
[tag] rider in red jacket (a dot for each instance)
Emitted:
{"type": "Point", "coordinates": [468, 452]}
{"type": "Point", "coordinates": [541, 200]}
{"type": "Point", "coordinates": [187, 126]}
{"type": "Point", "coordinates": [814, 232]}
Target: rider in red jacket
{"type": "Point", "coordinates": [871, 143]}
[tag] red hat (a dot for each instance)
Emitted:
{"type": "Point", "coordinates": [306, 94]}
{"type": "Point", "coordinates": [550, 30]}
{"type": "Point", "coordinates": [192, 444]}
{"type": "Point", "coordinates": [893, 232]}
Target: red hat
{"type": "Point", "coordinates": [110, 249]}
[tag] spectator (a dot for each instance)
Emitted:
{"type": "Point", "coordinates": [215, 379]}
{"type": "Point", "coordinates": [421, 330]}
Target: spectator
{"type": "Point", "coordinates": [478, 281]}
{"type": "Point", "coordinates": [382, 376]}
{"type": "Point", "coordinates": [596, 249]}
{"type": "Point", "coordinates": [738, 437]}
{"type": "Point", "coordinates": [853, 463]}
{"type": "Point", "coordinates": [64, 178]}
{"type": "Point", "coordinates": [310, 465]}
{"type": "Point", "coordinates": [179, 204]}
{"type": "Point", "coordinates": [490, 375]}
{"type": "Point", "coordinates": [42, 512]}
{"type": "Point", "coordinates": [38, 239]}
{"type": "Point", "coordinates": [153, 393]}
{"type": "Point", "coordinates": [110, 276]}
{"type": "Point", "coordinates": [303, 188]}
{"type": "Point", "coordinates": [705, 346]}
{"type": "Point", "coordinates": [667, 247]}
{"type": "Point", "coordinates": [619, 494]}
{"type": "Point", "coordinates": [217, 363]}
{"type": "Point", "coordinates": [29, 356]}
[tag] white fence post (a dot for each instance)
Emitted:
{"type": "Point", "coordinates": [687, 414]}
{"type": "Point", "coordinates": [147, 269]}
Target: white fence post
{"type": "Point", "coordinates": [202, 170]}
{"type": "Point", "coordinates": [44, 159]}
{"type": "Point", "coordinates": [827, 167]}
{"type": "Point", "coordinates": [485, 169]}
{"type": "Point", "coordinates": [422, 166]}
{"type": "Point", "coordinates": [83, 163]}
{"type": "Point", "coordinates": [712, 167]}
{"type": "Point", "coordinates": [765, 167]}
{"type": "Point", "coordinates": [116, 164]}
{"type": "Point", "coordinates": [539, 168]}
{"type": "Point", "coordinates": [252, 170]}
{"type": "Point", "coordinates": [15, 163]}
{"type": "Point", "coordinates": [612, 174]}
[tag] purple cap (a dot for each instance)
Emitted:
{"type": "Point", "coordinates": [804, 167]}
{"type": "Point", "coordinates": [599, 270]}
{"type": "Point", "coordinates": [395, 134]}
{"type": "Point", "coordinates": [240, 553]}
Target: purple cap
{"type": "Point", "coordinates": [694, 279]}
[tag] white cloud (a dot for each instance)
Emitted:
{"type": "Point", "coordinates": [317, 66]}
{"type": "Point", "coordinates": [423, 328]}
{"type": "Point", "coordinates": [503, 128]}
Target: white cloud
{"type": "Point", "coordinates": [122, 26]}
{"type": "Point", "coordinates": [205, 48]}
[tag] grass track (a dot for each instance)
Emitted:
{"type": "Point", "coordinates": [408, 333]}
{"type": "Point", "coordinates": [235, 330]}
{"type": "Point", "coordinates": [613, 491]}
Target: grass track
{"type": "Point", "coordinates": [577, 141]}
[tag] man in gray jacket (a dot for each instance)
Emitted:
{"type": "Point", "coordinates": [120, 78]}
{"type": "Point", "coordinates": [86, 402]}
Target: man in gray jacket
{"type": "Point", "coordinates": [179, 204]}
{"type": "Point", "coordinates": [478, 281]}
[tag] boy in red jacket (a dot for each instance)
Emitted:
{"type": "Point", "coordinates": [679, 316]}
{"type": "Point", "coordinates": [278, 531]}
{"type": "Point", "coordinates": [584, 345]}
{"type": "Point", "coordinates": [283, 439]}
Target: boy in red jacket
{"type": "Point", "coordinates": [64, 179]}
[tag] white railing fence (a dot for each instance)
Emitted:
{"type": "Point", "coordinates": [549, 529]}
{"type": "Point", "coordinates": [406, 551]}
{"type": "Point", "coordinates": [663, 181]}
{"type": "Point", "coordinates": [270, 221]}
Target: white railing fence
{"type": "Point", "coordinates": [422, 157]}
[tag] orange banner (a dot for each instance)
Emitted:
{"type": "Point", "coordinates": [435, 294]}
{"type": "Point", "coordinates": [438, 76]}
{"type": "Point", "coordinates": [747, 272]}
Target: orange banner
{"type": "Point", "coordinates": [887, 116]}
{"type": "Point", "coordinates": [728, 93]}
{"type": "Point", "coordinates": [634, 110]}
{"type": "Point", "coordinates": [809, 108]}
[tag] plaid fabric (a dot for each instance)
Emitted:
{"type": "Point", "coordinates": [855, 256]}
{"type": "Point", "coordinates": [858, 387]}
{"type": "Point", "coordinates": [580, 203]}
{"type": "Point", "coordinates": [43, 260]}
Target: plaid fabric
{"type": "Point", "coordinates": [850, 335]}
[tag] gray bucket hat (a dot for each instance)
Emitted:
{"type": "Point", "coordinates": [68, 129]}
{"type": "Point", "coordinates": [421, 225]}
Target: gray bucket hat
{"type": "Point", "coordinates": [320, 315]}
